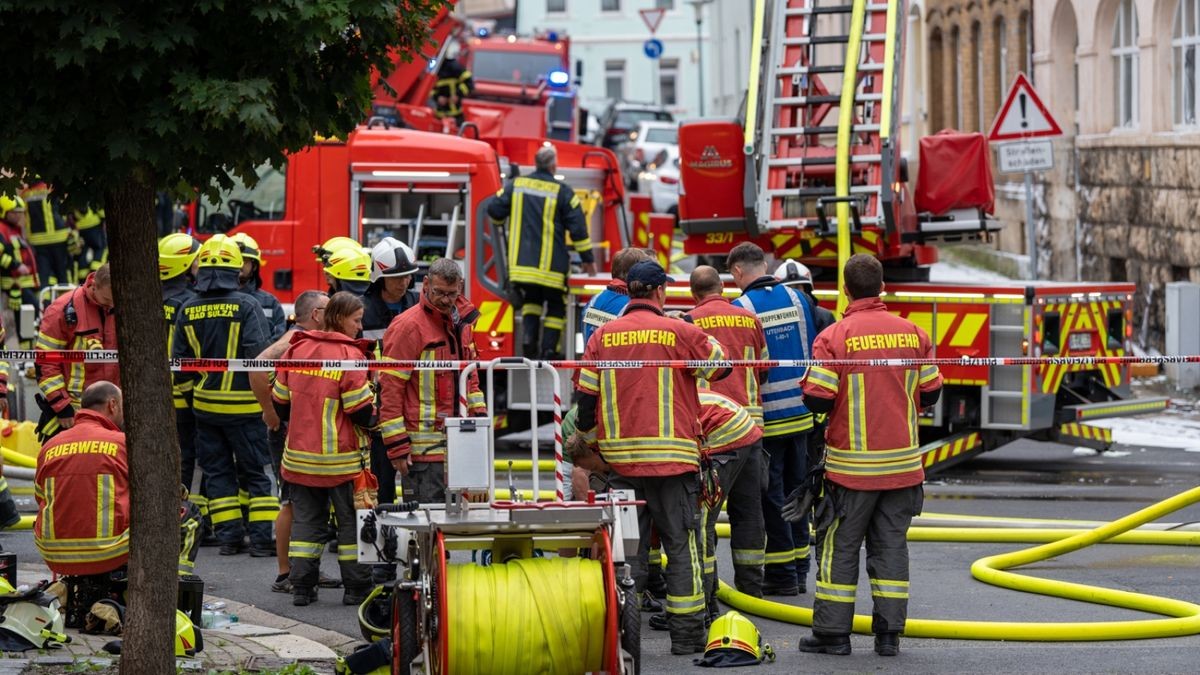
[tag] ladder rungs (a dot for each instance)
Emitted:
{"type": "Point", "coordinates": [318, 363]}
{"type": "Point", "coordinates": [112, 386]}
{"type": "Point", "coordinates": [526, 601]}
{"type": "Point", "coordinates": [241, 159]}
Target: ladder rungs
{"type": "Point", "coordinates": [836, 9]}
{"type": "Point", "coordinates": [821, 161]}
{"type": "Point", "coordinates": [826, 70]}
{"type": "Point", "coordinates": [821, 191]}
{"type": "Point", "coordinates": [830, 40]}
{"type": "Point", "coordinates": [784, 223]}
{"type": "Point", "coordinates": [831, 98]}
{"type": "Point", "coordinates": [806, 131]}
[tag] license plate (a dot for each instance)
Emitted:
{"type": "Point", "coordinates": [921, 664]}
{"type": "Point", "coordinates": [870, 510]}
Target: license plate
{"type": "Point", "coordinates": [1079, 342]}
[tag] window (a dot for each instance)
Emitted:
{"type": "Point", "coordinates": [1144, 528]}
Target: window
{"type": "Point", "coordinates": [956, 55]}
{"type": "Point", "coordinates": [1125, 66]}
{"type": "Point", "coordinates": [264, 201]}
{"type": "Point", "coordinates": [664, 4]}
{"type": "Point", "coordinates": [610, 5]}
{"type": "Point", "coordinates": [662, 135]}
{"type": "Point", "coordinates": [556, 6]}
{"type": "Point", "coordinates": [937, 82]}
{"type": "Point", "coordinates": [668, 77]}
{"type": "Point", "coordinates": [514, 67]}
{"type": "Point", "coordinates": [977, 40]}
{"type": "Point", "coordinates": [1000, 38]}
{"type": "Point", "coordinates": [614, 80]}
{"type": "Point", "coordinates": [1185, 43]}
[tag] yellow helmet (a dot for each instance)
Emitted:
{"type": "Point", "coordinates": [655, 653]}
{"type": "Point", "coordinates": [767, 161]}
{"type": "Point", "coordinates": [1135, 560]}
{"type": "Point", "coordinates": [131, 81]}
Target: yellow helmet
{"type": "Point", "coordinates": [249, 247]}
{"type": "Point", "coordinates": [221, 252]}
{"type": "Point", "coordinates": [734, 641]}
{"type": "Point", "coordinates": [349, 264]}
{"type": "Point", "coordinates": [8, 203]}
{"type": "Point", "coordinates": [176, 253]}
{"type": "Point", "coordinates": [333, 245]}
{"type": "Point", "coordinates": [185, 635]}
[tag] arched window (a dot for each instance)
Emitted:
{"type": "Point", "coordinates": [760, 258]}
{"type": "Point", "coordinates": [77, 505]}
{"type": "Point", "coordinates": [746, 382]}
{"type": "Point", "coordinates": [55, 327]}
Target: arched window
{"type": "Point", "coordinates": [937, 82]}
{"type": "Point", "coordinates": [1185, 43]}
{"type": "Point", "coordinates": [956, 56]}
{"type": "Point", "coordinates": [1125, 66]}
{"type": "Point", "coordinates": [1000, 57]}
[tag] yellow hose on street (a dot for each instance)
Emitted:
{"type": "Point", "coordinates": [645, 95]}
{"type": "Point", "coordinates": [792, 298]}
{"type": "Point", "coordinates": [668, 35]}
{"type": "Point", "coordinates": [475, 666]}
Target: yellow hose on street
{"type": "Point", "coordinates": [538, 615]}
{"type": "Point", "coordinates": [1183, 617]}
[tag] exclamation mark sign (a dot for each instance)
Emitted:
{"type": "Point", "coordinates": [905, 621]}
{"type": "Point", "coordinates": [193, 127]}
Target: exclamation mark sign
{"type": "Point", "coordinates": [1024, 118]}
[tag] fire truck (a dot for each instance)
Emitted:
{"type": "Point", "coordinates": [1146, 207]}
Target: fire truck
{"type": "Point", "coordinates": [812, 170]}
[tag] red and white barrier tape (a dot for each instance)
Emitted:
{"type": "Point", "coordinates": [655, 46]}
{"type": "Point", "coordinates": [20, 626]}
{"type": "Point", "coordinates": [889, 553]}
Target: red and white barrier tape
{"type": "Point", "coordinates": [270, 365]}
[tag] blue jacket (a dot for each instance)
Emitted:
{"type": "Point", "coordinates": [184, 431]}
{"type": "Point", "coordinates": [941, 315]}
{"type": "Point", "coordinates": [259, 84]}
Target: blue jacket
{"type": "Point", "coordinates": [605, 307]}
{"type": "Point", "coordinates": [787, 321]}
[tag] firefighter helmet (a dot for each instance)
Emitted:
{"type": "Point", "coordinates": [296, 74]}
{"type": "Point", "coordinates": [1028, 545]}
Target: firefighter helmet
{"type": "Point", "coordinates": [793, 272]}
{"type": "Point", "coordinates": [734, 641]}
{"type": "Point", "coordinates": [350, 265]}
{"type": "Point", "coordinates": [221, 252]}
{"type": "Point", "coordinates": [8, 203]}
{"type": "Point", "coordinates": [392, 258]}
{"type": "Point", "coordinates": [249, 248]}
{"type": "Point", "coordinates": [29, 619]}
{"type": "Point", "coordinates": [331, 246]}
{"type": "Point", "coordinates": [375, 614]}
{"type": "Point", "coordinates": [176, 253]}
{"type": "Point", "coordinates": [185, 635]}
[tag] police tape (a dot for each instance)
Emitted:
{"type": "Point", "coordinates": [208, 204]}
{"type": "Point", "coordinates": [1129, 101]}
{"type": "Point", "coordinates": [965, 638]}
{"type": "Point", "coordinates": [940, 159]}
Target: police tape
{"type": "Point", "coordinates": [271, 365]}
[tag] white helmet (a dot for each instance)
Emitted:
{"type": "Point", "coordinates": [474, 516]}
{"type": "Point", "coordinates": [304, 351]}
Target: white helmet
{"type": "Point", "coordinates": [792, 272]}
{"type": "Point", "coordinates": [392, 258]}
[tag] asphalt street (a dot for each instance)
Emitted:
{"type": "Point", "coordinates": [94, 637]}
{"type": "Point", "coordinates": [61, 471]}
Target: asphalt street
{"type": "Point", "coordinates": [1025, 479]}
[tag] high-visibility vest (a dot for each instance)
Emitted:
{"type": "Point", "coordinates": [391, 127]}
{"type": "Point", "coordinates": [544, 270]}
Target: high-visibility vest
{"type": "Point", "coordinates": [788, 325]}
{"type": "Point", "coordinates": [43, 223]}
{"type": "Point", "coordinates": [175, 294]}
{"type": "Point", "coordinates": [74, 321]}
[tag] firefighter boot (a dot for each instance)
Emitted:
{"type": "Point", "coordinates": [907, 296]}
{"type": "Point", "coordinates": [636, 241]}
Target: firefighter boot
{"type": "Point", "coordinates": [820, 643]}
{"type": "Point", "coordinates": [887, 644]}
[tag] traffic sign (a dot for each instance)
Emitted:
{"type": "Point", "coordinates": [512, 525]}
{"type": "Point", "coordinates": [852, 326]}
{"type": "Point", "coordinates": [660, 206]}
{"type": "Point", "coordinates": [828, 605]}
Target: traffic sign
{"type": "Point", "coordinates": [1024, 156]}
{"type": "Point", "coordinates": [653, 48]}
{"type": "Point", "coordinates": [1023, 115]}
{"type": "Point", "coordinates": [652, 17]}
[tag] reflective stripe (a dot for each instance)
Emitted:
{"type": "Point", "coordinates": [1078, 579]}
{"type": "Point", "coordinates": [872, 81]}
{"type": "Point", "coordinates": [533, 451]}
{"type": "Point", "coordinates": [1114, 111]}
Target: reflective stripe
{"type": "Point", "coordinates": [910, 388]}
{"type": "Point", "coordinates": [835, 592]}
{"type": "Point", "coordinates": [52, 384]}
{"type": "Point", "coordinates": [749, 556]}
{"type": "Point", "coordinates": [329, 430]}
{"type": "Point", "coordinates": [801, 553]}
{"type": "Point", "coordinates": [685, 604]}
{"type": "Point", "coordinates": [824, 378]}
{"type": "Point", "coordinates": [224, 509]}
{"type": "Point", "coordinates": [666, 408]}
{"type": "Point", "coordinates": [788, 426]}
{"type": "Point", "coordinates": [710, 564]}
{"type": "Point", "coordinates": [231, 351]}
{"type": "Point", "coordinates": [304, 549]}
{"type": "Point", "coordinates": [553, 323]}
{"type": "Point", "coordinates": [547, 253]}
{"type": "Point", "coordinates": [608, 403]}
{"type": "Point", "coordinates": [104, 506]}
{"type": "Point", "coordinates": [391, 428]}
{"type": "Point", "coordinates": [45, 341]}
{"type": "Point", "coordinates": [281, 392]}
{"type": "Point", "coordinates": [263, 509]}
{"type": "Point", "coordinates": [328, 464]}
{"type": "Point", "coordinates": [347, 552]}
{"type": "Point", "coordinates": [375, 334]}
{"type": "Point", "coordinates": [355, 398]}
{"type": "Point", "coordinates": [779, 557]}
{"type": "Point", "coordinates": [47, 514]}
{"type": "Point", "coordinates": [928, 373]}
{"type": "Point", "coordinates": [873, 463]}
{"type": "Point", "coordinates": [589, 381]}
{"type": "Point", "coordinates": [857, 412]}
{"type": "Point", "coordinates": [889, 588]}
{"type": "Point", "coordinates": [427, 396]}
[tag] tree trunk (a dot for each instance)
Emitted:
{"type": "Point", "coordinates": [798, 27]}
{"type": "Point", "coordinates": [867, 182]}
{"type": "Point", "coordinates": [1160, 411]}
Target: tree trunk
{"type": "Point", "coordinates": [149, 634]}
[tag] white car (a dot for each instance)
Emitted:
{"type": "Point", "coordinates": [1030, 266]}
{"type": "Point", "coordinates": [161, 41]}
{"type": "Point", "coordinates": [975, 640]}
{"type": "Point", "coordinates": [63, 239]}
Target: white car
{"type": "Point", "coordinates": [660, 179]}
{"type": "Point", "coordinates": [645, 144]}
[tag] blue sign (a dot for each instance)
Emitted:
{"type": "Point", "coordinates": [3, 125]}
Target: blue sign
{"type": "Point", "coordinates": [653, 48]}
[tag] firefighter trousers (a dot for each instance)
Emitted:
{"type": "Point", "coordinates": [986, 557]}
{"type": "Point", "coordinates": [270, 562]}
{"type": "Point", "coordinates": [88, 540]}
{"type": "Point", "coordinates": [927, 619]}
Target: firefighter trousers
{"type": "Point", "coordinates": [425, 482]}
{"type": "Point", "coordinates": [53, 264]}
{"type": "Point", "coordinates": [739, 472]}
{"type": "Point", "coordinates": [382, 467]}
{"type": "Point", "coordinates": [673, 506]}
{"type": "Point", "coordinates": [185, 425]}
{"type": "Point", "coordinates": [551, 320]}
{"type": "Point", "coordinates": [787, 558]}
{"type": "Point", "coordinates": [310, 524]}
{"type": "Point", "coordinates": [230, 448]}
{"type": "Point", "coordinates": [845, 518]}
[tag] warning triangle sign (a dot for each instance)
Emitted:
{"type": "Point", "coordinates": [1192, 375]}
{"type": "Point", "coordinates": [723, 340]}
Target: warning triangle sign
{"type": "Point", "coordinates": [1023, 115]}
{"type": "Point", "coordinates": [652, 17]}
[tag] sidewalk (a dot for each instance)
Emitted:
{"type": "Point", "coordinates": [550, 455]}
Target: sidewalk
{"type": "Point", "coordinates": [258, 642]}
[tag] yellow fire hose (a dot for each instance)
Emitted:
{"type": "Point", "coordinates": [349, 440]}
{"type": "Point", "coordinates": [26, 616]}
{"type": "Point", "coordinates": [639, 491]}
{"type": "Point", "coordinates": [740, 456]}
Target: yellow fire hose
{"type": "Point", "coordinates": [1184, 616]}
{"type": "Point", "coordinates": [17, 459]}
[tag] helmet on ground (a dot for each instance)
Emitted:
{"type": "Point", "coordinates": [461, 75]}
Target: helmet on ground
{"type": "Point", "coordinates": [8, 203]}
{"type": "Point", "coordinates": [331, 246]}
{"type": "Point", "coordinates": [29, 620]}
{"type": "Point", "coordinates": [221, 251]}
{"type": "Point", "coordinates": [176, 253]}
{"type": "Point", "coordinates": [249, 247]}
{"type": "Point", "coordinates": [392, 258]}
{"type": "Point", "coordinates": [734, 641]}
{"type": "Point", "coordinates": [792, 272]}
{"type": "Point", "coordinates": [375, 614]}
{"type": "Point", "coordinates": [351, 267]}
{"type": "Point", "coordinates": [185, 635]}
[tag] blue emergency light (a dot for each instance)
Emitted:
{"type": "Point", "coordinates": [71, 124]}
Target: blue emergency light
{"type": "Point", "coordinates": [559, 78]}
{"type": "Point", "coordinates": [481, 32]}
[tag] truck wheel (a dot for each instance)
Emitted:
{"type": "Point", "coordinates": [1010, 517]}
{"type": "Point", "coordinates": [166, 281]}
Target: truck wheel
{"type": "Point", "coordinates": [631, 628]}
{"type": "Point", "coordinates": [405, 646]}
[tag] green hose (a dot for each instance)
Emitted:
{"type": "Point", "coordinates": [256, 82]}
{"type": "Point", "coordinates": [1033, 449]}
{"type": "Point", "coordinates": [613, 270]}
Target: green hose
{"type": "Point", "coordinates": [1184, 617]}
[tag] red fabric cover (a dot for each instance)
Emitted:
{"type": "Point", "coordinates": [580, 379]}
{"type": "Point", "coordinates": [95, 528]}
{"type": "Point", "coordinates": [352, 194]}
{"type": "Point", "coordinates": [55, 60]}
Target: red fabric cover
{"type": "Point", "coordinates": [955, 173]}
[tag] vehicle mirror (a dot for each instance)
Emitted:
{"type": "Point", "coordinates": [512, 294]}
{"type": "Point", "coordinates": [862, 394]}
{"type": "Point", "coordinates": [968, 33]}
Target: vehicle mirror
{"type": "Point", "coordinates": [578, 70]}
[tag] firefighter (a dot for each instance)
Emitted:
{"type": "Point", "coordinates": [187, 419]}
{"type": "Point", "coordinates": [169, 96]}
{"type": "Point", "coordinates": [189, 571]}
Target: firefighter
{"type": "Point", "coordinates": [390, 294]}
{"type": "Point", "coordinates": [609, 303]}
{"type": "Point", "coordinates": [321, 460]}
{"type": "Point", "coordinates": [788, 325]}
{"type": "Point", "coordinates": [18, 285]}
{"type": "Point", "coordinates": [540, 211]}
{"type": "Point", "coordinates": [309, 315]}
{"type": "Point", "coordinates": [873, 470]}
{"type": "Point", "coordinates": [412, 412]}
{"type": "Point", "coordinates": [177, 255]}
{"type": "Point", "coordinates": [645, 423]}
{"type": "Point", "coordinates": [454, 83]}
{"type": "Point", "coordinates": [82, 492]}
{"type": "Point", "coordinates": [797, 275]}
{"type": "Point", "coordinates": [82, 319]}
{"type": "Point", "coordinates": [47, 233]}
{"type": "Point", "coordinates": [231, 440]}
{"type": "Point", "coordinates": [90, 226]}
{"type": "Point", "coordinates": [251, 283]}
{"type": "Point", "coordinates": [348, 269]}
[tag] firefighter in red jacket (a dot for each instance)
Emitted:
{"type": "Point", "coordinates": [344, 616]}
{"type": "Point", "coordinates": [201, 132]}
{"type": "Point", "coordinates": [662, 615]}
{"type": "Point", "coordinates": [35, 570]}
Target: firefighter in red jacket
{"type": "Point", "coordinates": [82, 319]}
{"type": "Point", "coordinates": [415, 403]}
{"type": "Point", "coordinates": [873, 470]}
{"type": "Point", "coordinates": [82, 492]}
{"type": "Point", "coordinates": [322, 459]}
{"type": "Point", "coordinates": [646, 424]}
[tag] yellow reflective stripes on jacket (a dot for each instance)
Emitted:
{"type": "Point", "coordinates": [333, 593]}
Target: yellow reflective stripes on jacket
{"type": "Point", "coordinates": [475, 400]}
{"type": "Point", "coordinates": [548, 208]}
{"type": "Point", "coordinates": [50, 343]}
{"type": "Point", "coordinates": [52, 384]}
{"type": "Point", "coordinates": [873, 462]}
{"type": "Point", "coordinates": [715, 353]}
{"type": "Point", "coordinates": [788, 426]}
{"type": "Point", "coordinates": [649, 450]}
{"type": "Point", "coordinates": [354, 399]}
{"type": "Point", "coordinates": [281, 392]}
{"type": "Point", "coordinates": [589, 381]}
{"type": "Point", "coordinates": [225, 402]}
{"type": "Point", "coordinates": [83, 550]}
{"type": "Point", "coordinates": [857, 411]}
{"type": "Point", "coordinates": [231, 347]}
{"type": "Point", "coordinates": [666, 404]}
{"type": "Point", "coordinates": [105, 512]}
{"type": "Point", "coordinates": [910, 385]}
{"type": "Point", "coordinates": [47, 514]}
{"type": "Point", "coordinates": [928, 373]}
{"type": "Point", "coordinates": [889, 588]}
{"type": "Point", "coordinates": [329, 433]}
{"type": "Point", "coordinates": [391, 428]}
{"type": "Point", "coordinates": [824, 378]}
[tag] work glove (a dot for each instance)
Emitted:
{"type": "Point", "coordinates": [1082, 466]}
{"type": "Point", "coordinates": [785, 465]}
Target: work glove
{"type": "Point", "coordinates": [799, 503]}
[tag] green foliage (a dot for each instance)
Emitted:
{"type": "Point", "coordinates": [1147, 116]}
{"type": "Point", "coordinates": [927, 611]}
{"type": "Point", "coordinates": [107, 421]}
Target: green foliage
{"type": "Point", "coordinates": [172, 93]}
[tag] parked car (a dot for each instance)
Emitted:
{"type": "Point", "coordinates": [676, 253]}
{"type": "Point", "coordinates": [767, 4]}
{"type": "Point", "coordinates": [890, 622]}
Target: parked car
{"type": "Point", "coordinates": [660, 179]}
{"type": "Point", "coordinates": [622, 117]}
{"type": "Point", "coordinates": [644, 144]}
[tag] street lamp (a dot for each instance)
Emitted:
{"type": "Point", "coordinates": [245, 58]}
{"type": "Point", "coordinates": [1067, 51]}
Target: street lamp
{"type": "Point", "coordinates": [698, 5]}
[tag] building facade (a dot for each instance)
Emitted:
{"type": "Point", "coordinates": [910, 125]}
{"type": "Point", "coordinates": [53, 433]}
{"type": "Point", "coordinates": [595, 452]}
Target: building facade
{"type": "Point", "coordinates": [607, 39]}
